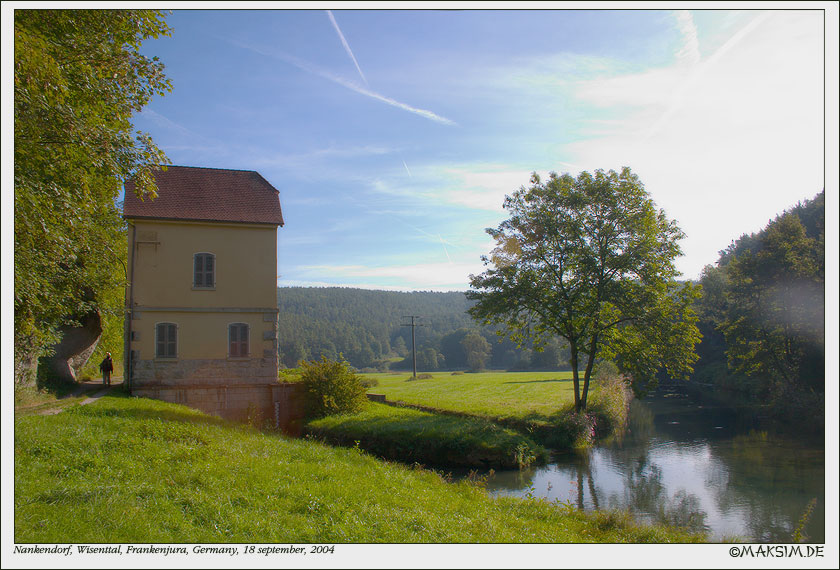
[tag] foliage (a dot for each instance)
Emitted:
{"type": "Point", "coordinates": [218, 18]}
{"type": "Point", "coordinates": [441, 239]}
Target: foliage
{"type": "Point", "coordinates": [331, 387]}
{"type": "Point", "coordinates": [477, 351]}
{"type": "Point", "coordinates": [763, 315]}
{"type": "Point", "coordinates": [365, 327]}
{"type": "Point", "coordinates": [798, 533]}
{"type": "Point", "coordinates": [429, 438]}
{"type": "Point", "coordinates": [774, 324]}
{"type": "Point", "coordinates": [79, 77]}
{"type": "Point", "coordinates": [591, 260]}
{"type": "Point", "coordinates": [169, 474]}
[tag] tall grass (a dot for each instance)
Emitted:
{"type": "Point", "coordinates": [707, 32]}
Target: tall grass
{"type": "Point", "coordinates": [136, 470]}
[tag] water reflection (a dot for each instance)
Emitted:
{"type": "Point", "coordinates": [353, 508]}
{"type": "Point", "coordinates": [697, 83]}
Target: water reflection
{"type": "Point", "coordinates": [693, 466]}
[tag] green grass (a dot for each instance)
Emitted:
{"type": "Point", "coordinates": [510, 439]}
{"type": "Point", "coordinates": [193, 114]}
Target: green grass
{"type": "Point", "coordinates": [539, 404]}
{"type": "Point", "coordinates": [505, 395]}
{"type": "Point", "coordinates": [137, 470]}
{"type": "Point", "coordinates": [30, 400]}
{"type": "Point", "coordinates": [413, 436]}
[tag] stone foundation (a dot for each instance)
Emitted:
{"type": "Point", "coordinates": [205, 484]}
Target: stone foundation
{"type": "Point", "coordinates": [239, 390]}
{"type": "Point", "coordinates": [279, 405]}
{"type": "Point", "coordinates": [218, 371]}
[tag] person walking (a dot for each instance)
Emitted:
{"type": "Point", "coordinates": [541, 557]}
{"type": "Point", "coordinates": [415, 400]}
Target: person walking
{"type": "Point", "coordinates": [106, 367]}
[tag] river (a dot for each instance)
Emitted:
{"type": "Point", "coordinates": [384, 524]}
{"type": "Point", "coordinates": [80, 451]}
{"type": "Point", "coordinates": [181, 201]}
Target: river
{"type": "Point", "coordinates": [695, 464]}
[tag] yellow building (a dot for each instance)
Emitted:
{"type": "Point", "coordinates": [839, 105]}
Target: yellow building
{"type": "Point", "coordinates": [201, 318]}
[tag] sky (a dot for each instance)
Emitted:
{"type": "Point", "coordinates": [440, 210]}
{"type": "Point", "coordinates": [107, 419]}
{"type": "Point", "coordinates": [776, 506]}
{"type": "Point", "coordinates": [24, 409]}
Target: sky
{"type": "Point", "coordinates": [393, 136]}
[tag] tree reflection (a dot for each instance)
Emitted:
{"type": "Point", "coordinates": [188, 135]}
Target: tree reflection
{"type": "Point", "coordinates": [757, 465]}
{"type": "Point", "coordinates": [646, 495]}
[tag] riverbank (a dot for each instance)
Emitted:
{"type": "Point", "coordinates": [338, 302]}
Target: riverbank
{"type": "Point", "coordinates": [539, 405]}
{"type": "Point", "coordinates": [430, 439]}
{"type": "Point", "coordinates": [165, 473]}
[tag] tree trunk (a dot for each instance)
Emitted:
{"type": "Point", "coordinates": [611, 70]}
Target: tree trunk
{"type": "Point", "coordinates": [588, 373]}
{"type": "Point", "coordinates": [575, 379]}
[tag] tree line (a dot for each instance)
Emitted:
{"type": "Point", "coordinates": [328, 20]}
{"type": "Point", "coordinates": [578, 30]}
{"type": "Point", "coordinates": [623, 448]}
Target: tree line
{"type": "Point", "coordinates": [369, 329]}
{"type": "Point", "coordinates": [762, 316]}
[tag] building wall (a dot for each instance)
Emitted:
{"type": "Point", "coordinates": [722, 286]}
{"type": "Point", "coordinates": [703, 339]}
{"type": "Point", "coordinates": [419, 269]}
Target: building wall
{"type": "Point", "coordinates": [246, 264]}
{"type": "Point", "coordinates": [203, 374]}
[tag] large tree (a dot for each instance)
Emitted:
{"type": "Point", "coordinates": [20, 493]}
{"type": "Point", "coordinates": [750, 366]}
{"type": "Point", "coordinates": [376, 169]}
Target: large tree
{"type": "Point", "coordinates": [79, 77]}
{"type": "Point", "coordinates": [774, 313]}
{"type": "Point", "coordinates": [591, 259]}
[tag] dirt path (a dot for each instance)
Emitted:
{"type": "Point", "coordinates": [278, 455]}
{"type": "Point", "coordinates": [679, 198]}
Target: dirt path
{"type": "Point", "coordinates": [103, 390]}
{"type": "Point", "coordinates": [94, 388]}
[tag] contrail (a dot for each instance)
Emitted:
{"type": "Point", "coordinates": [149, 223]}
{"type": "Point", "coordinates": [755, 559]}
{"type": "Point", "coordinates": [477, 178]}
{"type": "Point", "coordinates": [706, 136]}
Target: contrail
{"type": "Point", "coordinates": [309, 68]}
{"type": "Point", "coordinates": [406, 169]}
{"type": "Point", "coordinates": [443, 244]}
{"type": "Point", "coordinates": [346, 46]}
{"type": "Point", "coordinates": [677, 100]}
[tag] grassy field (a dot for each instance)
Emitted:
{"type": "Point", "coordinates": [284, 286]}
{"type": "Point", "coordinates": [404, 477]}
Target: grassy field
{"type": "Point", "coordinates": [436, 440]}
{"type": "Point", "coordinates": [504, 395]}
{"type": "Point", "coordinates": [136, 470]}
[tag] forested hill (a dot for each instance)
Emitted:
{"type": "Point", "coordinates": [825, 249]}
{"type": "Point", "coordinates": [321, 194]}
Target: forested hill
{"type": "Point", "coordinates": [366, 328]}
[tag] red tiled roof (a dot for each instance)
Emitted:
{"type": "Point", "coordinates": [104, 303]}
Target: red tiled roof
{"type": "Point", "coordinates": [208, 194]}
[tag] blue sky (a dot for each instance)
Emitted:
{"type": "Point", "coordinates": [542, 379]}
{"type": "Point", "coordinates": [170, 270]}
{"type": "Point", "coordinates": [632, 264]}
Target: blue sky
{"type": "Point", "coordinates": [393, 136]}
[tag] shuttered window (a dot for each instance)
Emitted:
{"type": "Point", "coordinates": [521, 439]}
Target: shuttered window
{"type": "Point", "coordinates": [204, 270]}
{"type": "Point", "coordinates": [238, 339]}
{"type": "Point", "coordinates": [166, 340]}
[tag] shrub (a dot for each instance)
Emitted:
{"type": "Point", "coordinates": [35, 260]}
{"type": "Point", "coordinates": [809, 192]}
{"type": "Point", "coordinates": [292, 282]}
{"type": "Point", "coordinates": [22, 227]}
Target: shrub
{"type": "Point", "coordinates": [424, 376]}
{"type": "Point", "coordinates": [369, 383]}
{"type": "Point", "coordinates": [289, 375]}
{"type": "Point", "coordinates": [331, 387]}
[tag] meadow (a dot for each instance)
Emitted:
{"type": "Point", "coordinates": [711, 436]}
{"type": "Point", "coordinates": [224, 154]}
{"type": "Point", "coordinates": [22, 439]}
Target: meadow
{"type": "Point", "coordinates": [499, 395]}
{"type": "Point", "coordinates": [430, 439]}
{"type": "Point", "coordinates": [130, 470]}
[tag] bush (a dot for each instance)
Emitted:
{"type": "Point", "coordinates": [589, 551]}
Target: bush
{"type": "Point", "coordinates": [369, 383]}
{"type": "Point", "coordinates": [289, 375]}
{"type": "Point", "coordinates": [331, 387]}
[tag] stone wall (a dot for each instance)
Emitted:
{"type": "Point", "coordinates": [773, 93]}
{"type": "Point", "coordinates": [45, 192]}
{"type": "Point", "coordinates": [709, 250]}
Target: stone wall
{"type": "Point", "coordinates": [239, 390]}
{"type": "Point", "coordinates": [210, 371]}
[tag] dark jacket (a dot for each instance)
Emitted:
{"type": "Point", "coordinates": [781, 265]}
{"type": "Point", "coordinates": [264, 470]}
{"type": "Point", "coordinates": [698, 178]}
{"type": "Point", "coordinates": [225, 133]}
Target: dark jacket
{"type": "Point", "coordinates": [107, 364]}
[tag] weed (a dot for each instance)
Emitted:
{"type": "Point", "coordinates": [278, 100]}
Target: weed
{"type": "Point", "coordinates": [798, 533]}
{"type": "Point", "coordinates": [523, 455]}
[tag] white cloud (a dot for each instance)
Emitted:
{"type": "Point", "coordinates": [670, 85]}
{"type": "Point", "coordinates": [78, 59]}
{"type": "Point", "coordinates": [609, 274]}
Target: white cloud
{"type": "Point", "coordinates": [726, 146]}
{"type": "Point", "coordinates": [690, 51]}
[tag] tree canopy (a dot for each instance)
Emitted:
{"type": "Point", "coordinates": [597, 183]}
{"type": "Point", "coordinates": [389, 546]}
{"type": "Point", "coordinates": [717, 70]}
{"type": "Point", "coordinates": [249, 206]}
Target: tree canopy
{"type": "Point", "coordinates": [590, 259]}
{"type": "Point", "coordinates": [79, 77]}
{"type": "Point", "coordinates": [766, 301]}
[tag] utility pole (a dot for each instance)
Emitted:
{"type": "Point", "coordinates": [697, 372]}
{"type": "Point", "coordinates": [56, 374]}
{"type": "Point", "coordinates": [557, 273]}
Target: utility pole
{"type": "Point", "coordinates": [413, 345]}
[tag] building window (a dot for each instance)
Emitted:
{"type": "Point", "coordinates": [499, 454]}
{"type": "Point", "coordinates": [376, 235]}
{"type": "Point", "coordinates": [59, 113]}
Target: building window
{"type": "Point", "coordinates": [238, 340]}
{"type": "Point", "coordinates": [204, 270]}
{"type": "Point", "coordinates": [166, 340]}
